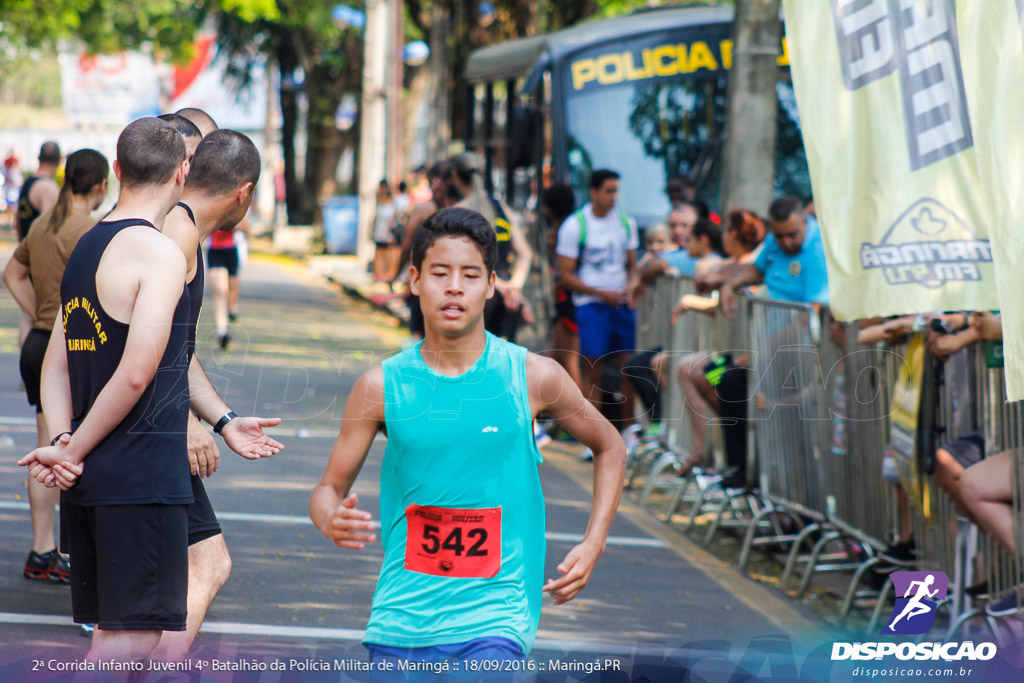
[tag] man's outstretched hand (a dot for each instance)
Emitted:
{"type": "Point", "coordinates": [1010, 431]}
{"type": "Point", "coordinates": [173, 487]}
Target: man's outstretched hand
{"type": "Point", "coordinates": [244, 435]}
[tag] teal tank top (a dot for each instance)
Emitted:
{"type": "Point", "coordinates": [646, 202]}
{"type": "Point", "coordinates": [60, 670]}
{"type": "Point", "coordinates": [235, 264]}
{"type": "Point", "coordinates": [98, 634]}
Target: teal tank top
{"type": "Point", "coordinates": [461, 507]}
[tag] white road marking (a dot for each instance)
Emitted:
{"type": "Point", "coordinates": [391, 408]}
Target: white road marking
{"type": "Point", "coordinates": [348, 634]}
{"type": "Point", "coordinates": [556, 536]}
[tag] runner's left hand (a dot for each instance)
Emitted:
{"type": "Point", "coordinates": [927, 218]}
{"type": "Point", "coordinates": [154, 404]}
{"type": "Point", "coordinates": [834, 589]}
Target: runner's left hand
{"type": "Point", "coordinates": [576, 569]}
{"type": "Point", "coordinates": [244, 435]}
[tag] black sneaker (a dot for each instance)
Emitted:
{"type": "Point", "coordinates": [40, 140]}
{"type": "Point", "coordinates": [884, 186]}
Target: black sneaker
{"type": "Point", "coordinates": [38, 566]}
{"type": "Point", "coordinates": [59, 570]}
{"type": "Point", "coordinates": [225, 339]}
{"type": "Point", "coordinates": [232, 315]}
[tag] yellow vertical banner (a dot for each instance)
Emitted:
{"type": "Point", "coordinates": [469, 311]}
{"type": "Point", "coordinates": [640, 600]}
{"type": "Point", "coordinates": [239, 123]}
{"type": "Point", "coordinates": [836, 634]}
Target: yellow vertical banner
{"type": "Point", "coordinates": [992, 40]}
{"type": "Point", "coordinates": [890, 149]}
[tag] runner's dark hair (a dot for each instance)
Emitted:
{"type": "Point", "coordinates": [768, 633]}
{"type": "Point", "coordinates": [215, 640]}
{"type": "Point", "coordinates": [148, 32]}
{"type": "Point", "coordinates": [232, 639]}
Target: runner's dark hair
{"type": "Point", "coordinates": [199, 117]}
{"type": "Point", "coordinates": [224, 161]}
{"type": "Point", "coordinates": [49, 153]}
{"type": "Point", "coordinates": [149, 152]}
{"type": "Point", "coordinates": [456, 222]}
{"type": "Point", "coordinates": [784, 207]}
{"type": "Point", "coordinates": [560, 200]}
{"type": "Point", "coordinates": [183, 125]}
{"type": "Point", "coordinates": [84, 170]}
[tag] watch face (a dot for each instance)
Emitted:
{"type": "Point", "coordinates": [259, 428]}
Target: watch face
{"type": "Point", "coordinates": [795, 269]}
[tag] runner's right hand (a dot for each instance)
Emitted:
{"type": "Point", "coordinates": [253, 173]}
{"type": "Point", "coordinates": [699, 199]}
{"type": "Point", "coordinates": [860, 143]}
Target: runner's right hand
{"type": "Point", "coordinates": [351, 527]}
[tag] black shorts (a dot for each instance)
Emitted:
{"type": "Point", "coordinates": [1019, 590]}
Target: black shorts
{"type": "Point", "coordinates": [32, 352]}
{"type": "Point", "coordinates": [967, 450]}
{"type": "Point", "coordinates": [202, 520]}
{"type": "Point", "coordinates": [129, 565]}
{"type": "Point", "coordinates": [223, 258]}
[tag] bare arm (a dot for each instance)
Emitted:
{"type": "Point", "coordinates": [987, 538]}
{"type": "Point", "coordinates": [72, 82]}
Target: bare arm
{"type": "Point", "coordinates": [650, 270]}
{"type": "Point", "coordinates": [569, 279]}
{"type": "Point", "coordinates": [553, 391]}
{"type": "Point", "coordinates": [523, 252]}
{"type": "Point", "coordinates": [179, 228]}
{"type": "Point", "coordinates": [332, 507]}
{"type": "Point", "coordinates": [16, 277]}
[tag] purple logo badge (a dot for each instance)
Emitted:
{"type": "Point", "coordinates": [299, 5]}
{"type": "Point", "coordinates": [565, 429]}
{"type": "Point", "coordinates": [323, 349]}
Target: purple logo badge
{"type": "Point", "coordinates": [917, 594]}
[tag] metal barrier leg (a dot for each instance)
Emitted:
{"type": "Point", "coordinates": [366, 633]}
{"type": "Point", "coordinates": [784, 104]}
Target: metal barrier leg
{"type": "Point", "coordinates": [851, 592]}
{"type": "Point", "coordinates": [876, 614]}
{"type": "Point", "coordinates": [812, 561]}
{"type": "Point", "coordinates": [794, 552]}
{"type": "Point", "coordinates": [961, 620]}
{"type": "Point", "coordinates": [665, 460]}
{"type": "Point", "coordinates": [641, 455]}
{"type": "Point", "coordinates": [748, 542]}
{"type": "Point", "coordinates": [728, 506]}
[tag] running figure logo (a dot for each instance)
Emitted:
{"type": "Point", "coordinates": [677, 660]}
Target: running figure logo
{"type": "Point", "coordinates": [917, 594]}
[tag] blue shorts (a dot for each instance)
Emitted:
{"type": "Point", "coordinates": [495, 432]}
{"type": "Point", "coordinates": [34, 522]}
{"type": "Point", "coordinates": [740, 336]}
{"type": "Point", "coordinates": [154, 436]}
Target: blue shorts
{"type": "Point", "coordinates": [498, 658]}
{"type": "Point", "coordinates": [605, 329]}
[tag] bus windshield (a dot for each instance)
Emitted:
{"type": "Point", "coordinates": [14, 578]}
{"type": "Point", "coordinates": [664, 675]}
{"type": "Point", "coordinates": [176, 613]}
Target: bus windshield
{"type": "Point", "coordinates": [651, 129]}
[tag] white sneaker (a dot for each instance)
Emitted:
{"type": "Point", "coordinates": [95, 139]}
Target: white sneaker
{"type": "Point", "coordinates": [630, 435]}
{"type": "Point", "coordinates": [586, 455]}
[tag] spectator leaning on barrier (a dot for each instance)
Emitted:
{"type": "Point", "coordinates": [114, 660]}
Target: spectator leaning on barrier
{"type": "Point", "coordinates": [596, 259]}
{"type": "Point", "coordinates": [792, 262]}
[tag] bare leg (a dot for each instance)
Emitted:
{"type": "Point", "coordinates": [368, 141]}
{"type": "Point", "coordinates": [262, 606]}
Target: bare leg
{"type": "Point", "coordinates": [42, 500]}
{"type": "Point", "coordinates": [234, 288]}
{"type": "Point", "coordinates": [209, 566]}
{"type": "Point", "coordinates": [986, 490]}
{"type": "Point", "coordinates": [219, 282]}
{"type": "Point", "coordinates": [689, 372]}
{"type": "Point", "coordinates": [947, 475]}
{"type": "Point", "coordinates": [124, 646]}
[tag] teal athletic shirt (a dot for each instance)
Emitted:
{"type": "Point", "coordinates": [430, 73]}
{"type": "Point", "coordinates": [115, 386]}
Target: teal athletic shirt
{"type": "Point", "coordinates": [460, 457]}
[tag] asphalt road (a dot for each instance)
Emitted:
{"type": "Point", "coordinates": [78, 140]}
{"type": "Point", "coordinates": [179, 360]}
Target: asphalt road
{"type": "Point", "coordinates": [656, 600]}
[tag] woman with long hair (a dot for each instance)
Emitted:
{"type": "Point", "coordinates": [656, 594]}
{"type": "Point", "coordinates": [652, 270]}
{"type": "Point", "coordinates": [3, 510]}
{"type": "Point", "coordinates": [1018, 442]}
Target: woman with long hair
{"type": "Point", "coordinates": [34, 275]}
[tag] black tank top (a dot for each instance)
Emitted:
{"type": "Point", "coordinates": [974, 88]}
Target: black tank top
{"type": "Point", "coordinates": [140, 461]}
{"type": "Point", "coordinates": [195, 290]}
{"type": "Point", "coordinates": [503, 231]}
{"type": "Point", "coordinates": [26, 212]}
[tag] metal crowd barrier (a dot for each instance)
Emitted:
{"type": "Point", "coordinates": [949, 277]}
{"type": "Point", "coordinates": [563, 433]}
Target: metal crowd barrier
{"type": "Point", "coordinates": [819, 435]}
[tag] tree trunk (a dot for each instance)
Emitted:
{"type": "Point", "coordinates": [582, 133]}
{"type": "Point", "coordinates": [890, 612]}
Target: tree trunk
{"type": "Point", "coordinates": [287, 61]}
{"type": "Point", "coordinates": [748, 157]}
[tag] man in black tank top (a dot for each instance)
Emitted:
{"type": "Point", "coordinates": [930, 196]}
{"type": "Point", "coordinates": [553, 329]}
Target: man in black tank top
{"type": "Point", "coordinates": [113, 389]}
{"type": "Point", "coordinates": [40, 191]}
{"type": "Point", "coordinates": [224, 171]}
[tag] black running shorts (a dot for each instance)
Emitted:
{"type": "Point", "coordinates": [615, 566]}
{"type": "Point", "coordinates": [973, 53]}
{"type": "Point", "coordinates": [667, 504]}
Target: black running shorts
{"type": "Point", "coordinates": [31, 362]}
{"type": "Point", "coordinates": [129, 565]}
{"type": "Point", "coordinates": [202, 520]}
{"type": "Point", "coordinates": [223, 258]}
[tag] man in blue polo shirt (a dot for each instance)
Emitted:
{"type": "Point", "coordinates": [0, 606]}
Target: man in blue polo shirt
{"type": "Point", "coordinates": [791, 262]}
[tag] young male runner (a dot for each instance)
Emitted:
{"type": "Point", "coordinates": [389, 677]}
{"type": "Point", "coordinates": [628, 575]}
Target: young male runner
{"type": "Point", "coordinates": [218, 192]}
{"type": "Point", "coordinates": [462, 511]}
{"type": "Point", "coordinates": [114, 389]}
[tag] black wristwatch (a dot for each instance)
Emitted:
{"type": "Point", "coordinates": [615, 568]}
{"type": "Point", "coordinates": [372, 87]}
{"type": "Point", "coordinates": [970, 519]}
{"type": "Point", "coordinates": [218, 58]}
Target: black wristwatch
{"type": "Point", "coordinates": [222, 422]}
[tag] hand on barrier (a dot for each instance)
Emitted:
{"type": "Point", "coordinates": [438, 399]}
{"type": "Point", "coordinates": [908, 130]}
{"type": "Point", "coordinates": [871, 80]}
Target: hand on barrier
{"type": "Point", "coordinates": [244, 435]}
{"type": "Point", "coordinates": [679, 309]}
{"type": "Point", "coordinates": [351, 527]}
{"type": "Point", "coordinates": [203, 453]}
{"type": "Point", "coordinates": [988, 325]}
{"type": "Point", "coordinates": [728, 302]}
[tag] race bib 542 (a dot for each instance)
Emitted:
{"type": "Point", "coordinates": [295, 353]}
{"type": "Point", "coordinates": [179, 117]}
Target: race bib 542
{"type": "Point", "coordinates": [451, 542]}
